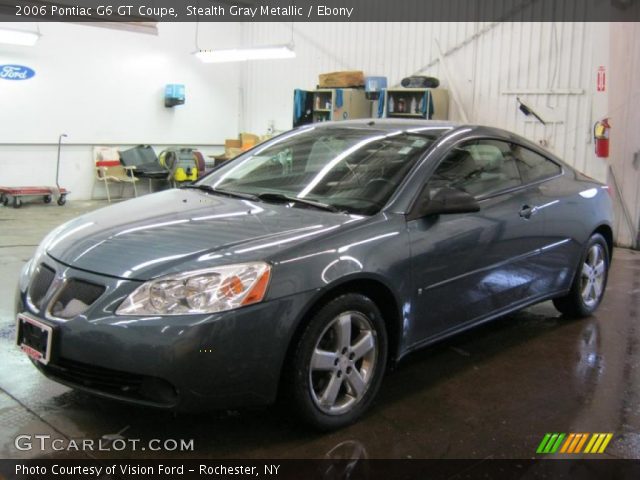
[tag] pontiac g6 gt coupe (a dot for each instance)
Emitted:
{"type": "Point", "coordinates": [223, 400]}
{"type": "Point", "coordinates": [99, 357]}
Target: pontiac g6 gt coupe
{"type": "Point", "coordinates": [309, 264]}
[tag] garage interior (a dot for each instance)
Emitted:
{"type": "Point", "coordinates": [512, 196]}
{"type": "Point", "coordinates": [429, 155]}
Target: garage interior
{"type": "Point", "coordinates": [492, 392]}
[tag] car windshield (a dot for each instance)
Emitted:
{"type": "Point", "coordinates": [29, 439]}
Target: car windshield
{"type": "Point", "coordinates": [339, 168]}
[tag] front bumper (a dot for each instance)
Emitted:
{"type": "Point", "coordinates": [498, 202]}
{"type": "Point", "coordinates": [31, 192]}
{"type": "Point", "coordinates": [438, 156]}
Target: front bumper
{"type": "Point", "coordinates": [222, 360]}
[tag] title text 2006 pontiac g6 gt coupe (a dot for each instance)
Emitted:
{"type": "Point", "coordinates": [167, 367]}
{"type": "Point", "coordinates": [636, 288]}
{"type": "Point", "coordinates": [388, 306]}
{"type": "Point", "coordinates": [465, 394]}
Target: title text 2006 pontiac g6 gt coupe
{"type": "Point", "coordinates": [309, 263]}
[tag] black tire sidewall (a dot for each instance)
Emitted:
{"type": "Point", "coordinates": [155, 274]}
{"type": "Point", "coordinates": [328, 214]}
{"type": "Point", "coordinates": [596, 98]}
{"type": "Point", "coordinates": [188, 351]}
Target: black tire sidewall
{"type": "Point", "coordinates": [300, 388]}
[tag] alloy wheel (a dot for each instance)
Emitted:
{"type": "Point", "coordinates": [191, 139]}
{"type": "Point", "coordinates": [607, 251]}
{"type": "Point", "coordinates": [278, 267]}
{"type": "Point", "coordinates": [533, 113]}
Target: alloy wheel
{"type": "Point", "coordinates": [593, 276]}
{"type": "Point", "coordinates": [343, 362]}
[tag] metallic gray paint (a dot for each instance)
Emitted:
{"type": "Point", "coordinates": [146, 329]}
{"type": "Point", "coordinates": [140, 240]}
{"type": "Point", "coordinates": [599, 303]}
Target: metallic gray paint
{"type": "Point", "coordinates": [446, 273]}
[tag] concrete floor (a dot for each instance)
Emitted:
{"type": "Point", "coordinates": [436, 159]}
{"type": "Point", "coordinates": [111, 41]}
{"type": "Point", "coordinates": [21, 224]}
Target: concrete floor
{"type": "Point", "coordinates": [490, 393]}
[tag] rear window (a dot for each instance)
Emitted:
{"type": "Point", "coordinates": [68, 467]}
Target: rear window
{"type": "Point", "coordinates": [534, 167]}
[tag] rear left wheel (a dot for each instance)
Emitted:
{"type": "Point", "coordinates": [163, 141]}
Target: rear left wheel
{"type": "Point", "coordinates": [339, 362]}
{"type": "Point", "coordinates": [590, 280]}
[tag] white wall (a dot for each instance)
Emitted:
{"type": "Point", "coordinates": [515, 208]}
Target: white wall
{"type": "Point", "coordinates": [103, 86]}
{"type": "Point", "coordinates": [486, 60]}
{"type": "Point", "coordinates": [624, 84]}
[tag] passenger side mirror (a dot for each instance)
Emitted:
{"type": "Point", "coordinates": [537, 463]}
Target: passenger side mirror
{"type": "Point", "coordinates": [445, 200]}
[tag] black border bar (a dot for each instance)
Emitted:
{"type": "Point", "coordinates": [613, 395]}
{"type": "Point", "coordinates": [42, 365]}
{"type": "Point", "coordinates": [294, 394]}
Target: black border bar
{"type": "Point", "coordinates": [320, 10]}
{"type": "Point", "coordinates": [556, 469]}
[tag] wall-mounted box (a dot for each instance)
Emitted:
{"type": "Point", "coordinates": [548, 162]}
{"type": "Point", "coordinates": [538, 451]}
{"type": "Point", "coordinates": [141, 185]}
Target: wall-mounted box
{"type": "Point", "coordinates": [174, 94]}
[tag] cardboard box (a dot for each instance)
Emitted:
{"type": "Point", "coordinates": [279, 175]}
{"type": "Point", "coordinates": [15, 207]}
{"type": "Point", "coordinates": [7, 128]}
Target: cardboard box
{"type": "Point", "coordinates": [341, 79]}
{"type": "Point", "coordinates": [248, 140]}
{"type": "Point", "coordinates": [231, 147]}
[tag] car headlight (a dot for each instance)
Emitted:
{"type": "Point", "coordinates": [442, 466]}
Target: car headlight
{"type": "Point", "coordinates": [201, 291]}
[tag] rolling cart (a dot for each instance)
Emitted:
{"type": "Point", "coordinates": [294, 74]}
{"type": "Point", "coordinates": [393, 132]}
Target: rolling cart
{"type": "Point", "coordinates": [14, 195]}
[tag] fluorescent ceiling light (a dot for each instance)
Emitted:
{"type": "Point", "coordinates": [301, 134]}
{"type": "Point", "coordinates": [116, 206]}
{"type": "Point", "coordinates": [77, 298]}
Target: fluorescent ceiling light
{"type": "Point", "coordinates": [18, 37]}
{"type": "Point", "coordinates": [244, 54]}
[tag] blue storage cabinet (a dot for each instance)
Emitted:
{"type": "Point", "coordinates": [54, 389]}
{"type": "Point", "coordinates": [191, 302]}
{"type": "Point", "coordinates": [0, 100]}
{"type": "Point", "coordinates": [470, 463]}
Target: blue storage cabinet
{"type": "Point", "coordinates": [425, 103]}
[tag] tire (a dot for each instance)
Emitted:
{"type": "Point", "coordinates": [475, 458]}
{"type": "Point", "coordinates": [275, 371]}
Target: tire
{"type": "Point", "coordinates": [5, 200]}
{"type": "Point", "coordinates": [589, 283]}
{"type": "Point", "coordinates": [332, 390]}
{"type": "Point", "coordinates": [46, 199]}
{"type": "Point", "coordinates": [62, 200]}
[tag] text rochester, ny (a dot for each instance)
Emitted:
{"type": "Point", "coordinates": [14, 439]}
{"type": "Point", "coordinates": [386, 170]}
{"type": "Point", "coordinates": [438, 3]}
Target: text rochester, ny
{"type": "Point", "coordinates": [133, 469]}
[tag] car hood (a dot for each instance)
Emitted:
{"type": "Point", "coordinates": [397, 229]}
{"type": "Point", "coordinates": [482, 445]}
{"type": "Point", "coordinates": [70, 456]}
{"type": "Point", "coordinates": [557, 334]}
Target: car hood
{"type": "Point", "coordinates": [183, 229]}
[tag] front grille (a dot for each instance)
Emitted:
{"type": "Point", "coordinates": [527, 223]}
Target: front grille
{"type": "Point", "coordinates": [117, 383]}
{"type": "Point", "coordinates": [40, 284]}
{"type": "Point", "coordinates": [75, 298]}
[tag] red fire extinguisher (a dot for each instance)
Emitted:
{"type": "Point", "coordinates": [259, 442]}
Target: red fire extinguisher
{"type": "Point", "coordinates": [601, 137]}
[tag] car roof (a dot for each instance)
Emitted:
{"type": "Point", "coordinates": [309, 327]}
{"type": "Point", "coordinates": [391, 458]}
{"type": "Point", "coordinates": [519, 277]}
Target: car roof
{"type": "Point", "coordinates": [391, 124]}
{"type": "Point", "coordinates": [387, 124]}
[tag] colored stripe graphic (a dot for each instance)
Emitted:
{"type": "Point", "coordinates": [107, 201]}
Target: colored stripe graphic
{"type": "Point", "coordinates": [598, 442]}
{"type": "Point", "coordinates": [550, 443]}
{"type": "Point", "coordinates": [573, 443]}
{"type": "Point", "coordinates": [544, 441]}
{"type": "Point", "coordinates": [556, 445]}
{"type": "Point", "coordinates": [582, 442]}
{"type": "Point", "coordinates": [570, 439]}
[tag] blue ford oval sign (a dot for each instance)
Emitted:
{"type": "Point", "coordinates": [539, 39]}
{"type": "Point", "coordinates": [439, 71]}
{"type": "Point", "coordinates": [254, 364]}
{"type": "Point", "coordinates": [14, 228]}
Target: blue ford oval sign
{"type": "Point", "coordinates": [16, 72]}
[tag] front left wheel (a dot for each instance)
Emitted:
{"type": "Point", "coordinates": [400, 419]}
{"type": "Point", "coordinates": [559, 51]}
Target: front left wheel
{"type": "Point", "coordinates": [339, 362]}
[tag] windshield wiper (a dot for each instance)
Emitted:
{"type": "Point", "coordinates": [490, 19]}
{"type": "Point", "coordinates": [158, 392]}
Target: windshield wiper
{"type": "Point", "coordinates": [210, 189]}
{"type": "Point", "coordinates": [280, 197]}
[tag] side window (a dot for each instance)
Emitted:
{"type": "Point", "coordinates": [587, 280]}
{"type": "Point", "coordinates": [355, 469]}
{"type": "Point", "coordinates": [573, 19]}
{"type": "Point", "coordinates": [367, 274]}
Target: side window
{"type": "Point", "coordinates": [479, 167]}
{"type": "Point", "coordinates": [534, 167]}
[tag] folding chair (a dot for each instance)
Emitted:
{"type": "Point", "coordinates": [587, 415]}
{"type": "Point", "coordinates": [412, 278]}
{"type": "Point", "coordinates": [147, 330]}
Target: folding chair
{"type": "Point", "coordinates": [110, 170]}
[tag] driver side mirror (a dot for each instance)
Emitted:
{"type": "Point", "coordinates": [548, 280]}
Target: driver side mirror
{"type": "Point", "coordinates": [446, 200]}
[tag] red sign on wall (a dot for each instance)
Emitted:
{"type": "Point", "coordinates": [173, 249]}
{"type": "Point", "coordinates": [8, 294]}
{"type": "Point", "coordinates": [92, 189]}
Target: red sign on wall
{"type": "Point", "coordinates": [601, 83]}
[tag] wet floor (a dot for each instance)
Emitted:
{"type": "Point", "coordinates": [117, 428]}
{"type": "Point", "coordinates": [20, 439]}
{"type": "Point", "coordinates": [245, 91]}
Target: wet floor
{"type": "Point", "coordinates": [490, 393]}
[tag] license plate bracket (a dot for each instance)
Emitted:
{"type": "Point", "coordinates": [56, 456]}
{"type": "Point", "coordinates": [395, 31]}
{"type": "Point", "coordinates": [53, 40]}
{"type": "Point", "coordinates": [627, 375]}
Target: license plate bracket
{"type": "Point", "coordinates": [34, 338]}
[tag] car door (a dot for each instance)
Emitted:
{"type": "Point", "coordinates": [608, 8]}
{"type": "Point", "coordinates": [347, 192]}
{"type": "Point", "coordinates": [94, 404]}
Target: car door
{"type": "Point", "coordinates": [559, 254]}
{"type": "Point", "coordinates": [468, 266]}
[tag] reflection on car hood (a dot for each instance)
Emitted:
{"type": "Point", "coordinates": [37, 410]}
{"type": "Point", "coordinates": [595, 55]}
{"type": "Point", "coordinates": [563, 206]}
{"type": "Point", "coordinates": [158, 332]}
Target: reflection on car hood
{"type": "Point", "coordinates": [151, 235]}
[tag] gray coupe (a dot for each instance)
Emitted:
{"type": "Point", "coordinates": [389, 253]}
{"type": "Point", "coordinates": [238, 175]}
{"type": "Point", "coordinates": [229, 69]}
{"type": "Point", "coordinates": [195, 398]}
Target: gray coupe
{"type": "Point", "coordinates": [309, 264]}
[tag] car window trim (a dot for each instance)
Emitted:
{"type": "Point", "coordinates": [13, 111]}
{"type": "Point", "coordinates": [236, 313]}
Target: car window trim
{"type": "Point", "coordinates": [481, 198]}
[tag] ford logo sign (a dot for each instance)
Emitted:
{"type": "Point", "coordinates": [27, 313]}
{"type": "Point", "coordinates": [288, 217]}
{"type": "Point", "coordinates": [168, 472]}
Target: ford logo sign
{"type": "Point", "coordinates": [16, 72]}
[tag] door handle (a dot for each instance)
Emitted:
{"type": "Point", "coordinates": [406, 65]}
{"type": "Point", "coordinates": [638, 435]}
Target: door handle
{"type": "Point", "coordinates": [526, 212]}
